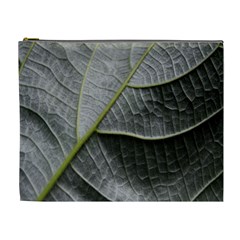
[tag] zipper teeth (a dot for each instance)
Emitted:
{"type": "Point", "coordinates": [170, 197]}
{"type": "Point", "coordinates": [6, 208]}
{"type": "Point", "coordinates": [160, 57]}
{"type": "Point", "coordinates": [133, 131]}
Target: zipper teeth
{"type": "Point", "coordinates": [120, 40]}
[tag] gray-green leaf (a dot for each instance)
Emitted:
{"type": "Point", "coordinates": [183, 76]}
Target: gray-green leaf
{"type": "Point", "coordinates": [121, 121]}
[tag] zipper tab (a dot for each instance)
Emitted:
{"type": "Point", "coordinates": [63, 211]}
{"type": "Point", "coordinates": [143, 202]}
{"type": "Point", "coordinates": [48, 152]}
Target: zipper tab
{"type": "Point", "coordinates": [30, 39]}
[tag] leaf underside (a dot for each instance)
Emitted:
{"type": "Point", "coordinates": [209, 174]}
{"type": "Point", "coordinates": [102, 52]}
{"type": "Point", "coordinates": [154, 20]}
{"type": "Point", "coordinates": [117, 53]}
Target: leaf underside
{"type": "Point", "coordinates": [121, 121]}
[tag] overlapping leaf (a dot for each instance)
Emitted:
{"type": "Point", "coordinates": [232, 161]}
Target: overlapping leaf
{"type": "Point", "coordinates": [121, 121]}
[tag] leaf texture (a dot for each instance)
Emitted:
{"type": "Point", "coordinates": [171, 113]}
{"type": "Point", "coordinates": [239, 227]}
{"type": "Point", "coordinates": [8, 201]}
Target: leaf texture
{"type": "Point", "coordinates": [168, 61]}
{"type": "Point", "coordinates": [169, 109]}
{"type": "Point", "coordinates": [121, 121]}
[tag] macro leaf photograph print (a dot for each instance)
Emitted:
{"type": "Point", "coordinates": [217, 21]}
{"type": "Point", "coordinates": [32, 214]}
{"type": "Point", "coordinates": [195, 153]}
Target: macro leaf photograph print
{"type": "Point", "coordinates": [121, 120]}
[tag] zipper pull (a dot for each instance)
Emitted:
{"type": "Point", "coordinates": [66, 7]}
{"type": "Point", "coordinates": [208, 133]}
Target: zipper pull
{"type": "Point", "coordinates": [30, 39]}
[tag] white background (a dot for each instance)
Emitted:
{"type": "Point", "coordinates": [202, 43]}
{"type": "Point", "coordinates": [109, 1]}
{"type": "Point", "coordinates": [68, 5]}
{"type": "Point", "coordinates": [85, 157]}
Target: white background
{"type": "Point", "coordinates": [124, 19]}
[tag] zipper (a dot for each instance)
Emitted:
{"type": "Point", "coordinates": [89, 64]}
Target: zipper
{"type": "Point", "coordinates": [31, 39]}
{"type": "Point", "coordinates": [123, 40]}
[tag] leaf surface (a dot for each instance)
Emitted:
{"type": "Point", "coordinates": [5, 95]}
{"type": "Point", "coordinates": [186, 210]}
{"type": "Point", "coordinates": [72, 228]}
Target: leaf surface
{"type": "Point", "coordinates": [121, 121]}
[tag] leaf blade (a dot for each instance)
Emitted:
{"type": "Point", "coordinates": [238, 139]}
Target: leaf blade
{"type": "Point", "coordinates": [178, 166]}
{"type": "Point", "coordinates": [186, 51]}
{"type": "Point", "coordinates": [170, 109]}
{"type": "Point", "coordinates": [80, 143]}
{"type": "Point", "coordinates": [58, 63]}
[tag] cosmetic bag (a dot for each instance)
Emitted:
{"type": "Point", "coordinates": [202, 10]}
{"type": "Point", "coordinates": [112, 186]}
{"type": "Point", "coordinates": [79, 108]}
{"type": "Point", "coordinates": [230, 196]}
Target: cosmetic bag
{"type": "Point", "coordinates": [129, 120]}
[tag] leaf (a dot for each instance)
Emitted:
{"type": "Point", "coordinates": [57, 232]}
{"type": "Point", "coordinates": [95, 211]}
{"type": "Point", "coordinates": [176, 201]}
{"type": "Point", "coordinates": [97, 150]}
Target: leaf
{"type": "Point", "coordinates": [121, 121]}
